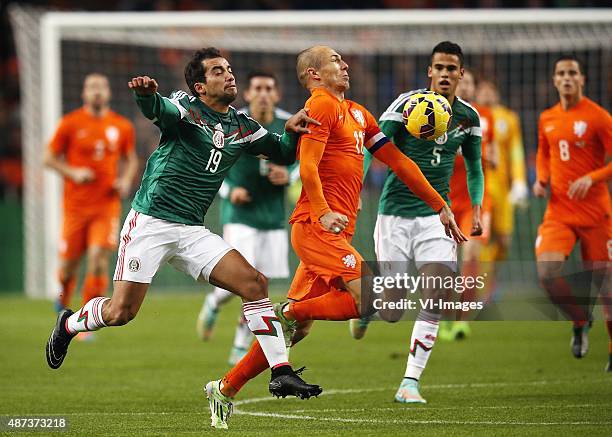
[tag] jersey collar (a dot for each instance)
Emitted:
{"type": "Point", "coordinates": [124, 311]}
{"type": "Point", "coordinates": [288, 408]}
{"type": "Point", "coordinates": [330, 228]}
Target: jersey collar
{"type": "Point", "coordinates": [323, 91]}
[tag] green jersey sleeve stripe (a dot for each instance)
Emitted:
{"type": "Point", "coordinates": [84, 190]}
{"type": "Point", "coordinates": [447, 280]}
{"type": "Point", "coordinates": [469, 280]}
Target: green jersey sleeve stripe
{"type": "Point", "coordinates": [176, 103]}
{"type": "Point", "coordinates": [257, 135]}
{"type": "Point", "coordinates": [392, 116]}
{"type": "Point", "coordinates": [400, 101]}
{"type": "Point", "coordinates": [469, 106]}
{"type": "Point", "coordinates": [475, 131]}
{"type": "Point", "coordinates": [397, 103]}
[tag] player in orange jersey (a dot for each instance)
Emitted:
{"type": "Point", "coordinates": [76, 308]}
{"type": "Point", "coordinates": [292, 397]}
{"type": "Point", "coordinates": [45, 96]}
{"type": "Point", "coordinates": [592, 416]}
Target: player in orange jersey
{"type": "Point", "coordinates": [574, 137]}
{"type": "Point", "coordinates": [327, 284]}
{"type": "Point", "coordinates": [470, 218]}
{"type": "Point", "coordinates": [85, 151]}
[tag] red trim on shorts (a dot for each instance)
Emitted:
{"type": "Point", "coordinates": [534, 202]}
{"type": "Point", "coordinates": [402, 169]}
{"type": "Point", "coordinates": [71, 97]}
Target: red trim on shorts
{"type": "Point", "coordinates": [125, 240]}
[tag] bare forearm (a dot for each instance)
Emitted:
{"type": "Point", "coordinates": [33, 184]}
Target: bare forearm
{"type": "Point", "coordinates": [59, 165]}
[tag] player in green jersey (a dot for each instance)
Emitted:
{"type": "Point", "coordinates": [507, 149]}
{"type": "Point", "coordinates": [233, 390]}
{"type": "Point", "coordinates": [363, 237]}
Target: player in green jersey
{"type": "Point", "coordinates": [202, 136]}
{"type": "Point", "coordinates": [408, 231]}
{"type": "Point", "coordinates": [253, 210]}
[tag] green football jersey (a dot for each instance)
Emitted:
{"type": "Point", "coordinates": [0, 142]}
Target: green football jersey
{"type": "Point", "coordinates": [435, 158]}
{"type": "Point", "coordinates": [266, 210]}
{"type": "Point", "coordinates": [197, 148]}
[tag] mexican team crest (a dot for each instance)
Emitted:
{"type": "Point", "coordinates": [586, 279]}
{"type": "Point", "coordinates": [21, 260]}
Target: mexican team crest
{"type": "Point", "coordinates": [134, 264]}
{"type": "Point", "coordinates": [218, 139]}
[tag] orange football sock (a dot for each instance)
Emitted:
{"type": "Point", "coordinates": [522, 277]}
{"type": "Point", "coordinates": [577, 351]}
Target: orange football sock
{"type": "Point", "coordinates": [334, 305]}
{"type": "Point", "coordinates": [253, 363]}
{"type": "Point", "coordinates": [94, 286]}
{"type": "Point", "coordinates": [67, 285]}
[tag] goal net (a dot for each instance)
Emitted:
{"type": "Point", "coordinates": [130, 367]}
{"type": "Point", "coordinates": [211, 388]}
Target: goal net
{"type": "Point", "coordinates": [387, 51]}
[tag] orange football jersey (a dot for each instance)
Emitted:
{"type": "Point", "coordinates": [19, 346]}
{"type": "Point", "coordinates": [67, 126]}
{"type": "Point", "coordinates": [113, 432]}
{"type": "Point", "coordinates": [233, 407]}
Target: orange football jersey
{"type": "Point", "coordinates": [346, 128]}
{"type": "Point", "coordinates": [96, 143]}
{"type": "Point", "coordinates": [459, 195]}
{"type": "Point", "coordinates": [571, 144]}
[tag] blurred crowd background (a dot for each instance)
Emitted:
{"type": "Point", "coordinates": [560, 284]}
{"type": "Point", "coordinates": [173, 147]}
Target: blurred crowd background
{"type": "Point", "coordinates": [377, 79]}
{"type": "Point", "coordinates": [11, 178]}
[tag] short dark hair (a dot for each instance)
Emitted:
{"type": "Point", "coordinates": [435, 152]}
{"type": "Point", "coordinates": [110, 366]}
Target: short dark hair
{"type": "Point", "coordinates": [260, 73]}
{"type": "Point", "coordinates": [194, 70]}
{"type": "Point", "coordinates": [450, 48]}
{"type": "Point", "coordinates": [569, 57]}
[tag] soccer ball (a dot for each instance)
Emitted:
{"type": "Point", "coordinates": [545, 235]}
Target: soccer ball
{"type": "Point", "coordinates": [427, 115]}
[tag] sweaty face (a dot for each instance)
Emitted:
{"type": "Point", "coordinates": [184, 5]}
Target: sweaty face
{"type": "Point", "coordinates": [445, 72]}
{"type": "Point", "coordinates": [567, 77]}
{"type": "Point", "coordinates": [262, 93]}
{"type": "Point", "coordinates": [96, 91]}
{"type": "Point", "coordinates": [466, 88]}
{"type": "Point", "coordinates": [333, 71]}
{"type": "Point", "coordinates": [220, 81]}
{"type": "Point", "coordinates": [486, 94]}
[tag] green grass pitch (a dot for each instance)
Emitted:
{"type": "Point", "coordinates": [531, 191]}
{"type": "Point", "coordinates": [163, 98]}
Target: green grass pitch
{"type": "Point", "coordinates": [146, 378]}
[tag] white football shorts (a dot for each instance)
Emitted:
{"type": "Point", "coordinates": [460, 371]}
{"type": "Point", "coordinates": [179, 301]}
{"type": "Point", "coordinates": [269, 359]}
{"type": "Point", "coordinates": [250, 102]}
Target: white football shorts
{"type": "Point", "coordinates": [147, 242]}
{"type": "Point", "coordinates": [266, 250]}
{"type": "Point", "coordinates": [421, 240]}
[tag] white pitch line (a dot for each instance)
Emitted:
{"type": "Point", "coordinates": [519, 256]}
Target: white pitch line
{"type": "Point", "coordinates": [429, 387]}
{"type": "Point", "coordinates": [422, 409]}
{"type": "Point", "coordinates": [422, 422]}
{"type": "Point", "coordinates": [366, 390]}
{"type": "Point", "coordinates": [416, 422]}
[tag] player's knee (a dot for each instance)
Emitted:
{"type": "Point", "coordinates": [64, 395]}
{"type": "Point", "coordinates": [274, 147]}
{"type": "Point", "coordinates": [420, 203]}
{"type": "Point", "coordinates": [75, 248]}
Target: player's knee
{"type": "Point", "coordinates": [257, 287]}
{"type": "Point", "coordinates": [97, 263]}
{"type": "Point", "coordinates": [549, 270]}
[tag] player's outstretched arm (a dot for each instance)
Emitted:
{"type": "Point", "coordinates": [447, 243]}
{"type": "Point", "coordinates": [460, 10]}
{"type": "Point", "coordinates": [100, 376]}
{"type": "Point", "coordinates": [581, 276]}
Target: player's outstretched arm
{"type": "Point", "coordinates": [282, 149]}
{"type": "Point", "coordinates": [277, 148]}
{"type": "Point", "coordinates": [143, 85]}
{"type": "Point", "coordinates": [298, 122]}
{"type": "Point", "coordinates": [410, 173]}
{"type": "Point", "coordinates": [161, 110]}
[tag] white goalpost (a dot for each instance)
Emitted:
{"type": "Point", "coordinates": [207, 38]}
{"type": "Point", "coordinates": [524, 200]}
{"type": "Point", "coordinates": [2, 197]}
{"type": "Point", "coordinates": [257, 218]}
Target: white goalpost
{"type": "Point", "coordinates": [388, 50]}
